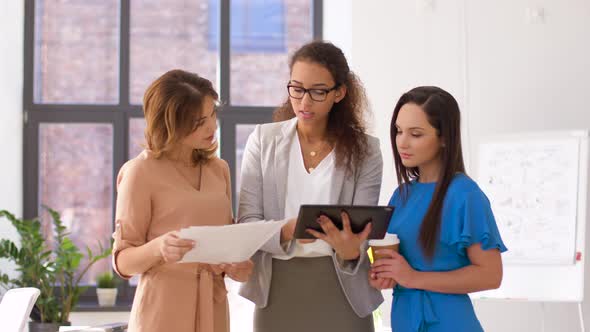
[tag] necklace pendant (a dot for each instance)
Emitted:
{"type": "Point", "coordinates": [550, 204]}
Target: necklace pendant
{"type": "Point", "coordinates": [312, 153]}
{"type": "Point", "coordinates": [311, 169]}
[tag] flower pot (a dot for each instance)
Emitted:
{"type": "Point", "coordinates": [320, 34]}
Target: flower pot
{"type": "Point", "coordinates": [106, 296]}
{"type": "Point", "coordinates": [46, 327]}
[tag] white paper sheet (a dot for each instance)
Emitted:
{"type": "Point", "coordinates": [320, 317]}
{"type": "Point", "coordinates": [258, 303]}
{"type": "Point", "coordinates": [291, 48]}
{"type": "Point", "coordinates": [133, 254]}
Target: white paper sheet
{"type": "Point", "coordinates": [230, 243]}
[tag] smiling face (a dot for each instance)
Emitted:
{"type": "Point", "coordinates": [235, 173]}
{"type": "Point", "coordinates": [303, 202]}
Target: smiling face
{"type": "Point", "coordinates": [320, 85]}
{"type": "Point", "coordinates": [203, 136]}
{"type": "Point", "coordinates": [417, 141]}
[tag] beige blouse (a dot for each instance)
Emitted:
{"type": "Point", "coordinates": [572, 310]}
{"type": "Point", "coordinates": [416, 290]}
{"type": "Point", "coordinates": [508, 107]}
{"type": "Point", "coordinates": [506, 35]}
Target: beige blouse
{"type": "Point", "coordinates": [153, 199]}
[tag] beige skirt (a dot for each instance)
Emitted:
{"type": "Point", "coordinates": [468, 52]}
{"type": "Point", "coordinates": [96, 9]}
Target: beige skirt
{"type": "Point", "coordinates": [305, 295]}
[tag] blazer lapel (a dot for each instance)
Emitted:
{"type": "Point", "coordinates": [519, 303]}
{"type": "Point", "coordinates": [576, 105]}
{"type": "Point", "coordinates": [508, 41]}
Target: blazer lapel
{"type": "Point", "coordinates": [338, 183]}
{"type": "Point", "coordinates": [282, 147]}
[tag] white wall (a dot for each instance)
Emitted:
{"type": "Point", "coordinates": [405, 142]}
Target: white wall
{"type": "Point", "coordinates": [508, 76]}
{"type": "Point", "coordinates": [11, 84]}
{"type": "Point", "coordinates": [337, 24]}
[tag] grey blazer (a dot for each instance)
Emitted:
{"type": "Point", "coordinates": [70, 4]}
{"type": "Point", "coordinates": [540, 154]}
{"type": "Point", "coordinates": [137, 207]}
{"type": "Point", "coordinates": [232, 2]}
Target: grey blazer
{"type": "Point", "coordinates": [262, 197]}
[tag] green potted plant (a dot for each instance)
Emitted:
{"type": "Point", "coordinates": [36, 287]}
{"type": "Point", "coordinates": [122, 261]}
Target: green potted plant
{"type": "Point", "coordinates": [106, 289]}
{"type": "Point", "coordinates": [55, 269]}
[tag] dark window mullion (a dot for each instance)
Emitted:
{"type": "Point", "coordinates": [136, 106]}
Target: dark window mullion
{"type": "Point", "coordinates": [31, 136]}
{"type": "Point", "coordinates": [124, 50]}
{"type": "Point", "coordinates": [241, 114]}
{"type": "Point", "coordinates": [75, 108]}
{"type": "Point", "coordinates": [121, 149]}
{"type": "Point", "coordinates": [29, 50]}
{"type": "Point", "coordinates": [224, 51]}
{"type": "Point", "coordinates": [317, 17]}
{"type": "Point", "coordinates": [31, 169]}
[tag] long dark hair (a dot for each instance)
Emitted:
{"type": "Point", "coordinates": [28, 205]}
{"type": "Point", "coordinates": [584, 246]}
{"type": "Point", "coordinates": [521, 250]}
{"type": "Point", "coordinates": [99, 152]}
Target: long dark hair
{"type": "Point", "coordinates": [346, 126]}
{"type": "Point", "coordinates": [442, 111]}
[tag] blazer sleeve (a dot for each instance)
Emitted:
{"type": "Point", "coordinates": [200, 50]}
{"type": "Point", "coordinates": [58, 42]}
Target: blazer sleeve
{"type": "Point", "coordinates": [251, 207]}
{"type": "Point", "coordinates": [370, 175]}
{"type": "Point", "coordinates": [367, 189]}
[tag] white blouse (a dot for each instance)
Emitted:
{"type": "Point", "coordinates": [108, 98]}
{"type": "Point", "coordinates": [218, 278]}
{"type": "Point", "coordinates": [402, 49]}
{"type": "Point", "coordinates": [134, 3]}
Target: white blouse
{"type": "Point", "coordinates": [308, 188]}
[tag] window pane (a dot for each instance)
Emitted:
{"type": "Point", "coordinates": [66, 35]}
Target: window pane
{"type": "Point", "coordinates": [77, 182]}
{"type": "Point", "coordinates": [242, 133]}
{"type": "Point", "coordinates": [166, 35]}
{"type": "Point", "coordinates": [269, 31]}
{"type": "Point", "coordinates": [136, 136]}
{"type": "Point", "coordinates": [76, 51]}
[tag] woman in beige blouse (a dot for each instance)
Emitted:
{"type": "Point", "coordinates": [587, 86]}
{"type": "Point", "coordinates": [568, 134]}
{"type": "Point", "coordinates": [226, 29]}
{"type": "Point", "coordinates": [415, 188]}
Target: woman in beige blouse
{"type": "Point", "coordinates": [176, 182]}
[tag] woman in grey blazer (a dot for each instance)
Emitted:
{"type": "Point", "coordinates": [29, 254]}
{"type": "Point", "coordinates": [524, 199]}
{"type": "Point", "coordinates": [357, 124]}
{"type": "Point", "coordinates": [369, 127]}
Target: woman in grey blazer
{"type": "Point", "coordinates": [318, 153]}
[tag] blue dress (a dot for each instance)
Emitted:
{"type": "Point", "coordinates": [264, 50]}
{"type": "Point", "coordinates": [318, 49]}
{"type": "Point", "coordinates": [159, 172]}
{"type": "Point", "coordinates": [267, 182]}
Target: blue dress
{"type": "Point", "coordinates": [466, 219]}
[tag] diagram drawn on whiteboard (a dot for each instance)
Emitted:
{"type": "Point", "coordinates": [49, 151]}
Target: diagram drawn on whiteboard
{"type": "Point", "coordinates": [532, 185]}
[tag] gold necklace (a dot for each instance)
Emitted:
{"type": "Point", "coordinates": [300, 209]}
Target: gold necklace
{"type": "Point", "coordinates": [316, 153]}
{"type": "Point", "coordinates": [313, 153]}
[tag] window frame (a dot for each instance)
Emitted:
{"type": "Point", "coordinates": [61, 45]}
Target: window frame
{"type": "Point", "coordinates": [119, 114]}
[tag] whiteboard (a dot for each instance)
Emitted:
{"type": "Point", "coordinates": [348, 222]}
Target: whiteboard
{"type": "Point", "coordinates": [537, 186]}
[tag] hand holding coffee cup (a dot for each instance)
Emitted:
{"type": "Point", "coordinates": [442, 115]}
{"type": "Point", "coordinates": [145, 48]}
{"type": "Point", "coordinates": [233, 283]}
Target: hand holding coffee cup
{"type": "Point", "coordinates": [390, 241]}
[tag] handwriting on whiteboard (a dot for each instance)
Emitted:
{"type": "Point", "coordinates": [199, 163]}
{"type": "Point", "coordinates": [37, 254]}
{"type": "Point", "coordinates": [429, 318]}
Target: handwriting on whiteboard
{"type": "Point", "coordinates": [533, 188]}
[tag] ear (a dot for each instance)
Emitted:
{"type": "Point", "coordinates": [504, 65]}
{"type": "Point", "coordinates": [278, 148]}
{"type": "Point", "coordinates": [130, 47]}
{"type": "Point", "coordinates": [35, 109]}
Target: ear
{"type": "Point", "coordinates": [340, 93]}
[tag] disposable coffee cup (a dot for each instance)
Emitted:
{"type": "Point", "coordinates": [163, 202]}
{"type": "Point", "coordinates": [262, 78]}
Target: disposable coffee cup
{"type": "Point", "coordinates": [390, 241]}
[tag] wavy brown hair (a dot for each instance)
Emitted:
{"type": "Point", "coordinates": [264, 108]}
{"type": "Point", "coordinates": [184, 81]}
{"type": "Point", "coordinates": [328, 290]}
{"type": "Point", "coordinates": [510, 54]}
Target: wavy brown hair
{"type": "Point", "coordinates": [346, 125]}
{"type": "Point", "coordinates": [172, 105]}
{"type": "Point", "coordinates": [442, 111]}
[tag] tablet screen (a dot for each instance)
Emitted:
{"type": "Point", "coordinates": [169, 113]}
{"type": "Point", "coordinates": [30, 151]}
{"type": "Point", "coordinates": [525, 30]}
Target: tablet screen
{"type": "Point", "coordinates": [360, 216]}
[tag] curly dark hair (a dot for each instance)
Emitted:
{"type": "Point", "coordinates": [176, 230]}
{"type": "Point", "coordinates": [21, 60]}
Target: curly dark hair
{"type": "Point", "coordinates": [346, 123]}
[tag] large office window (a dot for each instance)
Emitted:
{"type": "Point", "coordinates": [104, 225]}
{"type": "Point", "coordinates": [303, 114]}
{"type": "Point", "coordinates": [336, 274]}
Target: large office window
{"type": "Point", "coordinates": [87, 65]}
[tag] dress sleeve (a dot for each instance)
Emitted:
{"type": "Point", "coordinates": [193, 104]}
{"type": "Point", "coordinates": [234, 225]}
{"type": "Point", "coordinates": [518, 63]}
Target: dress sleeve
{"type": "Point", "coordinates": [133, 212]}
{"type": "Point", "coordinates": [473, 222]}
{"type": "Point", "coordinates": [394, 200]}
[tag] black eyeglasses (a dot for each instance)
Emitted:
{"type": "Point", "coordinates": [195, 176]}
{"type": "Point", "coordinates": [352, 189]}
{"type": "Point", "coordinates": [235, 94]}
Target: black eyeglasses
{"type": "Point", "coordinates": [299, 92]}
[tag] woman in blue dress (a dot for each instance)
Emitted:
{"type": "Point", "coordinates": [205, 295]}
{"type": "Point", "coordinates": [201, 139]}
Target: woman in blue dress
{"type": "Point", "coordinates": [449, 242]}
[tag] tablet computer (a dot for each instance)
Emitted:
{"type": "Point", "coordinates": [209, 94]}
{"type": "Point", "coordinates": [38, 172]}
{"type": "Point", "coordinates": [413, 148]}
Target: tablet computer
{"type": "Point", "coordinates": [360, 216]}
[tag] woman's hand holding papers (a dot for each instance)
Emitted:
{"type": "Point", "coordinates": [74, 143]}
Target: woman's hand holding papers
{"type": "Point", "coordinates": [288, 230]}
{"type": "Point", "coordinates": [238, 271]}
{"type": "Point", "coordinates": [172, 248]}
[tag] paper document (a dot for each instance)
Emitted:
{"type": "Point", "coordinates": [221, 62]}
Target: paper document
{"type": "Point", "coordinates": [229, 243]}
